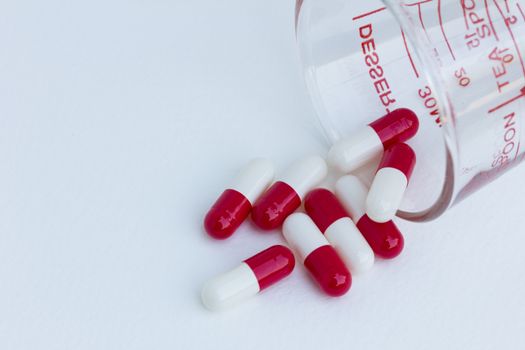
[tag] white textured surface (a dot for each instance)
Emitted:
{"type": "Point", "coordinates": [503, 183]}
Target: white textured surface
{"type": "Point", "coordinates": [352, 152]}
{"type": "Point", "coordinates": [385, 194]}
{"type": "Point", "coordinates": [254, 178]}
{"type": "Point", "coordinates": [352, 193]}
{"type": "Point", "coordinates": [304, 174]}
{"type": "Point", "coordinates": [230, 288]}
{"type": "Point", "coordinates": [121, 122]}
{"type": "Point", "coordinates": [302, 236]}
{"type": "Point", "coordinates": [351, 246]}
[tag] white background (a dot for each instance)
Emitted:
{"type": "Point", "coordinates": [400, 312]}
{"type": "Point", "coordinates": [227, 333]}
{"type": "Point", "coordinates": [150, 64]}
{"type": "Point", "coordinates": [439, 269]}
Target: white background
{"type": "Point", "coordinates": [120, 123]}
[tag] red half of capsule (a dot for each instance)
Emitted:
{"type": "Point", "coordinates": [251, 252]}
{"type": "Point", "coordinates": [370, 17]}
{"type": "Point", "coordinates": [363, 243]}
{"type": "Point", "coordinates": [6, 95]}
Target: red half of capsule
{"type": "Point", "coordinates": [385, 239]}
{"type": "Point", "coordinates": [329, 271]}
{"type": "Point", "coordinates": [227, 214]}
{"type": "Point", "coordinates": [324, 208]}
{"type": "Point", "coordinates": [272, 208]}
{"type": "Point", "coordinates": [401, 157]}
{"type": "Point", "coordinates": [271, 265]}
{"type": "Point", "coordinates": [397, 126]}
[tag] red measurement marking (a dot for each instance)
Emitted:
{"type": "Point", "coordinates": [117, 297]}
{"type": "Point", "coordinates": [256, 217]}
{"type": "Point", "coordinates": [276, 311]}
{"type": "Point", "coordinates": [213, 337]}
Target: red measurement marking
{"type": "Point", "coordinates": [490, 21]}
{"type": "Point", "coordinates": [522, 94]}
{"type": "Point", "coordinates": [420, 15]}
{"type": "Point", "coordinates": [465, 15]}
{"type": "Point", "coordinates": [517, 151]}
{"type": "Point", "coordinates": [507, 5]}
{"type": "Point", "coordinates": [521, 11]}
{"type": "Point", "coordinates": [512, 36]}
{"type": "Point", "coordinates": [368, 13]}
{"type": "Point", "coordinates": [443, 30]}
{"type": "Point", "coordinates": [419, 3]}
{"type": "Point", "coordinates": [409, 55]}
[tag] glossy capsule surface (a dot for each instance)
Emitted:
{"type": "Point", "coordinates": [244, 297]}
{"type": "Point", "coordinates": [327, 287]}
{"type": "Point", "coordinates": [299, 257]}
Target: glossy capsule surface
{"type": "Point", "coordinates": [332, 219]}
{"type": "Point", "coordinates": [350, 153]}
{"type": "Point", "coordinates": [235, 203]}
{"type": "Point", "coordinates": [249, 278]}
{"type": "Point", "coordinates": [317, 255]}
{"type": "Point", "coordinates": [390, 182]}
{"type": "Point", "coordinates": [385, 239]}
{"type": "Point", "coordinates": [285, 195]}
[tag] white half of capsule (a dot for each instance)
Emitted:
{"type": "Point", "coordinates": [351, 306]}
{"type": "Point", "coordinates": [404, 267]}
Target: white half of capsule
{"type": "Point", "coordinates": [350, 244]}
{"type": "Point", "coordinates": [230, 288]}
{"type": "Point", "coordinates": [302, 235]}
{"type": "Point", "coordinates": [352, 193]}
{"type": "Point", "coordinates": [254, 179]}
{"type": "Point", "coordinates": [385, 195]}
{"type": "Point", "coordinates": [352, 152]}
{"type": "Point", "coordinates": [305, 174]}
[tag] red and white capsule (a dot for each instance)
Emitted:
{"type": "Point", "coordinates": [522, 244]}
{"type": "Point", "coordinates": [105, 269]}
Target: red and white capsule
{"type": "Point", "coordinates": [390, 182]}
{"type": "Point", "coordinates": [285, 195]}
{"type": "Point", "coordinates": [249, 278]}
{"type": "Point", "coordinates": [235, 203]}
{"type": "Point", "coordinates": [352, 152]}
{"type": "Point", "coordinates": [317, 255]}
{"type": "Point", "coordinates": [333, 220]}
{"type": "Point", "coordinates": [385, 239]}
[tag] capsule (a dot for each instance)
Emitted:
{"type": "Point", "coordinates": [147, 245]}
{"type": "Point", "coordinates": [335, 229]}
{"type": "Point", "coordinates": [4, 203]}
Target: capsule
{"type": "Point", "coordinates": [285, 195]}
{"type": "Point", "coordinates": [249, 278]}
{"type": "Point", "coordinates": [317, 255]}
{"type": "Point", "coordinates": [390, 182]}
{"type": "Point", "coordinates": [333, 220]}
{"type": "Point", "coordinates": [350, 153]}
{"type": "Point", "coordinates": [384, 238]}
{"type": "Point", "coordinates": [235, 203]}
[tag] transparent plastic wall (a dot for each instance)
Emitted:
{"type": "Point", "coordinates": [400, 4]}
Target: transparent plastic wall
{"type": "Point", "coordinates": [458, 64]}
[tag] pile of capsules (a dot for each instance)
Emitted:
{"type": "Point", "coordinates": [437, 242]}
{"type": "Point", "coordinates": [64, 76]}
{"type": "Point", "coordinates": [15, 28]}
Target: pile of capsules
{"type": "Point", "coordinates": [338, 234]}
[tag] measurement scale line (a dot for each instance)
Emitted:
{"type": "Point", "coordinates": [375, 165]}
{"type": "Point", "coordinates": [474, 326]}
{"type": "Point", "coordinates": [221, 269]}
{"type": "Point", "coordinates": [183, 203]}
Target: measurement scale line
{"type": "Point", "coordinates": [443, 30]}
{"type": "Point", "coordinates": [465, 16]}
{"type": "Point", "coordinates": [512, 36]}
{"type": "Point", "coordinates": [490, 21]}
{"type": "Point", "coordinates": [508, 102]}
{"type": "Point", "coordinates": [521, 11]}
{"type": "Point", "coordinates": [409, 55]}
{"type": "Point", "coordinates": [420, 15]}
{"type": "Point", "coordinates": [517, 151]}
{"type": "Point", "coordinates": [418, 3]}
{"type": "Point", "coordinates": [368, 13]}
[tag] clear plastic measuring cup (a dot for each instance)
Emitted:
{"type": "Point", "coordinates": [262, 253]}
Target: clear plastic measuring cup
{"type": "Point", "coordinates": [458, 64]}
